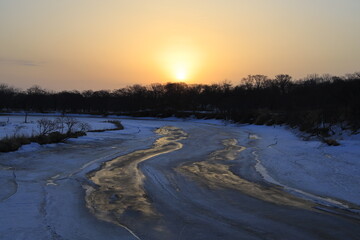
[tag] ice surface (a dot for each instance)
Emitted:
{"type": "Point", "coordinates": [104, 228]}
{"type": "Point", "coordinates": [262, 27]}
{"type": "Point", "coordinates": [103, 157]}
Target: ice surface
{"type": "Point", "coordinates": [42, 194]}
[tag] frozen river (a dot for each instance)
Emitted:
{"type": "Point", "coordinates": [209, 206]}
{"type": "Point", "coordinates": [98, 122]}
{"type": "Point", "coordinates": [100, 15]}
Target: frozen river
{"type": "Point", "coordinates": [180, 180]}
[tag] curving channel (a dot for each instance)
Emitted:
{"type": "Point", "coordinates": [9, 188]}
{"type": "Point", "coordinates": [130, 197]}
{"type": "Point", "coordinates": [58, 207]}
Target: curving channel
{"type": "Point", "coordinates": [190, 199]}
{"type": "Point", "coordinates": [216, 173]}
{"type": "Point", "coordinates": [118, 188]}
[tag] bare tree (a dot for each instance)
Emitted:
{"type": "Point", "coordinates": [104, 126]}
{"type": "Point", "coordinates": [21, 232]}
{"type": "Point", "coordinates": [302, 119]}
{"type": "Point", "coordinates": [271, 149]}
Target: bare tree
{"type": "Point", "coordinates": [254, 81]}
{"type": "Point", "coordinates": [70, 123]}
{"type": "Point", "coordinates": [282, 81]}
{"type": "Point", "coordinates": [46, 126]}
{"type": "Point", "coordinates": [84, 127]}
{"type": "Point", "coordinates": [60, 123]}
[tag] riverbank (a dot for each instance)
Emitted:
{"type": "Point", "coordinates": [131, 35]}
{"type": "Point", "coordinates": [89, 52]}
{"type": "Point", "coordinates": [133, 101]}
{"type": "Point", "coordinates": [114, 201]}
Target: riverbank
{"type": "Point", "coordinates": [43, 190]}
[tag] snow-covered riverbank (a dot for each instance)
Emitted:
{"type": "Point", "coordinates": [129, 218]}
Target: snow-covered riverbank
{"type": "Point", "coordinates": [43, 187]}
{"type": "Point", "coordinates": [14, 125]}
{"type": "Point", "coordinates": [311, 166]}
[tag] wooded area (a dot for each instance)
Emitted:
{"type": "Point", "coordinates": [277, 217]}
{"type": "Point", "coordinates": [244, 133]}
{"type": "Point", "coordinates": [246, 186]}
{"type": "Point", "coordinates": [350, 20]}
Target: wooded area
{"type": "Point", "coordinates": [313, 104]}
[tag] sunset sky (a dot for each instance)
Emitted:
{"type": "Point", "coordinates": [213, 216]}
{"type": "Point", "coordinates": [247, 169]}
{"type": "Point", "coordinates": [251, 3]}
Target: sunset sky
{"type": "Point", "coordinates": [108, 44]}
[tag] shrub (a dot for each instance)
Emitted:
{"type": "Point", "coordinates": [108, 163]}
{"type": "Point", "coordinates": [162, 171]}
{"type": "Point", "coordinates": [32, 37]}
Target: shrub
{"type": "Point", "coordinates": [76, 134]}
{"type": "Point", "coordinates": [331, 142]}
{"type": "Point", "coordinates": [48, 134]}
{"type": "Point", "coordinates": [56, 137]}
{"type": "Point", "coordinates": [9, 144]}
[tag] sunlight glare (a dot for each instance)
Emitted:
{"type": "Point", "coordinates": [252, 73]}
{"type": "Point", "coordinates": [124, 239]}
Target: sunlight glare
{"type": "Point", "coordinates": [180, 73]}
{"type": "Point", "coordinates": [179, 61]}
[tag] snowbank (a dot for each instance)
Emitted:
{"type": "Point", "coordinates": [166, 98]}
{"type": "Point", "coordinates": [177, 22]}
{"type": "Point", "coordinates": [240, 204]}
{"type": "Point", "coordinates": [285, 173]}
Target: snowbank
{"type": "Point", "coordinates": [14, 125]}
{"type": "Point", "coordinates": [311, 166]}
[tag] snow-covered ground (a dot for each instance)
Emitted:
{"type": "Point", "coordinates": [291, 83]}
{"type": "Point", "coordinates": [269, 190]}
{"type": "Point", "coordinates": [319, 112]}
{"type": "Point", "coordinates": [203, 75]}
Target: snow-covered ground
{"type": "Point", "coordinates": [311, 166]}
{"type": "Point", "coordinates": [14, 125]}
{"type": "Point", "coordinates": [42, 188]}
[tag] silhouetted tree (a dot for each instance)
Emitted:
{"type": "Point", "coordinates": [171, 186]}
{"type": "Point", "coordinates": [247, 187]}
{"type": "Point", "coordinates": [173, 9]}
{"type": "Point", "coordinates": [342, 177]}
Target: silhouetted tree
{"type": "Point", "coordinates": [317, 101]}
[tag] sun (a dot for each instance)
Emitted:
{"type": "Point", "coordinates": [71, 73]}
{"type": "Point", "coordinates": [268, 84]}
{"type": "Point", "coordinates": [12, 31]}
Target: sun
{"type": "Point", "coordinates": [180, 72]}
{"type": "Point", "coordinates": [179, 62]}
{"type": "Point", "coordinates": [181, 69]}
{"type": "Point", "coordinates": [181, 75]}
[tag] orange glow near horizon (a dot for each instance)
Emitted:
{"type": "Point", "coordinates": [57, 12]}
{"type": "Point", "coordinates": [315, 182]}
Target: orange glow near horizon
{"type": "Point", "coordinates": [114, 44]}
{"type": "Point", "coordinates": [179, 61]}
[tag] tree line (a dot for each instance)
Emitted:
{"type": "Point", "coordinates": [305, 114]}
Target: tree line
{"type": "Point", "coordinates": [314, 104]}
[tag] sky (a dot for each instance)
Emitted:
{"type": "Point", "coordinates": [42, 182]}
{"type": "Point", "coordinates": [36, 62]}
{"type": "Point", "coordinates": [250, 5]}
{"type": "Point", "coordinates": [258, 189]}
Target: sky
{"type": "Point", "coordinates": [110, 44]}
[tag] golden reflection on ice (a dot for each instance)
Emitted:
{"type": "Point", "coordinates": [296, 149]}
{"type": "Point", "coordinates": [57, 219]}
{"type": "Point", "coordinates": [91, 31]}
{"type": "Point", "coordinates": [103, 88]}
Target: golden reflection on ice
{"type": "Point", "coordinates": [230, 151]}
{"type": "Point", "coordinates": [119, 183]}
{"type": "Point", "coordinates": [215, 173]}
